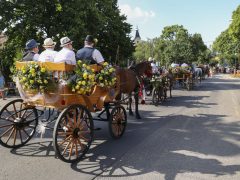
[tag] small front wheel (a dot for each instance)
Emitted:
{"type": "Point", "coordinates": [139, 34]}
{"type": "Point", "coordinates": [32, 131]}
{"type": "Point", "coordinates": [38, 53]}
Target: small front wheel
{"type": "Point", "coordinates": [117, 122]}
{"type": "Point", "coordinates": [73, 133]}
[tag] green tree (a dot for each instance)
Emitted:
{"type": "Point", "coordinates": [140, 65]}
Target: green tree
{"type": "Point", "coordinates": [21, 20]}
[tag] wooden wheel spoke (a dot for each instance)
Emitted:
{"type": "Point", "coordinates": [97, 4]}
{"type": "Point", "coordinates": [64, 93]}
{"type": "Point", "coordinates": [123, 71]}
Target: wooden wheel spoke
{"type": "Point", "coordinates": [84, 138]}
{"type": "Point", "coordinates": [20, 135]}
{"type": "Point", "coordinates": [28, 114]}
{"type": "Point", "coordinates": [75, 117]}
{"type": "Point", "coordinates": [6, 125]}
{"type": "Point", "coordinates": [15, 136]}
{"type": "Point", "coordinates": [70, 152]}
{"type": "Point", "coordinates": [4, 119]}
{"type": "Point", "coordinates": [64, 133]}
{"type": "Point", "coordinates": [69, 120]}
{"type": "Point", "coordinates": [11, 115]}
{"type": "Point", "coordinates": [66, 147]}
{"type": "Point", "coordinates": [83, 146]}
{"type": "Point", "coordinates": [76, 148]}
{"type": "Point", "coordinates": [25, 132]}
{"type": "Point", "coordinates": [14, 107]}
{"type": "Point", "coordinates": [65, 140]}
{"type": "Point", "coordinates": [10, 135]}
{"type": "Point", "coordinates": [85, 132]}
{"type": "Point", "coordinates": [6, 131]}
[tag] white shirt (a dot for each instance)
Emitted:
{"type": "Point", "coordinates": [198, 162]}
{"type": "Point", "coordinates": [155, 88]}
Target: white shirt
{"type": "Point", "coordinates": [47, 55]}
{"type": "Point", "coordinates": [184, 65]}
{"type": "Point", "coordinates": [174, 65]}
{"type": "Point", "coordinates": [35, 57]}
{"type": "Point", "coordinates": [96, 55]}
{"type": "Point", "coordinates": [154, 68]}
{"type": "Point", "coordinates": [65, 55]}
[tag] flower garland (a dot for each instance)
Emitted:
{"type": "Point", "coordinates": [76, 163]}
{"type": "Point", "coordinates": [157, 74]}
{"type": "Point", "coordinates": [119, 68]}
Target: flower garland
{"type": "Point", "coordinates": [34, 77]}
{"type": "Point", "coordinates": [84, 80]}
{"type": "Point", "coordinates": [107, 76]}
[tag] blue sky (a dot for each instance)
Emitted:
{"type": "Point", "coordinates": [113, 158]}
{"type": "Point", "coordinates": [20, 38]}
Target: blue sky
{"type": "Point", "coordinates": [207, 17]}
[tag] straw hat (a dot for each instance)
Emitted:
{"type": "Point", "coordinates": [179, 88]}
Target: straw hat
{"type": "Point", "coordinates": [49, 43]}
{"type": "Point", "coordinates": [65, 41]}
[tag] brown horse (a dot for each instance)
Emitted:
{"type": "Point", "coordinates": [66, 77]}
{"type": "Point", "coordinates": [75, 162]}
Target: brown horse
{"type": "Point", "coordinates": [130, 80]}
{"type": "Point", "coordinates": [170, 81]}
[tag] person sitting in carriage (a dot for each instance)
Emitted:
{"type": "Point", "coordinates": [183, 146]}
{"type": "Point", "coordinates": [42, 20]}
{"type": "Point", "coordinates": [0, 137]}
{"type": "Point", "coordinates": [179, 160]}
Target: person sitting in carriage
{"type": "Point", "coordinates": [49, 53]}
{"type": "Point", "coordinates": [155, 70]}
{"type": "Point", "coordinates": [31, 51]}
{"type": "Point", "coordinates": [66, 54]}
{"type": "Point", "coordinates": [89, 53]}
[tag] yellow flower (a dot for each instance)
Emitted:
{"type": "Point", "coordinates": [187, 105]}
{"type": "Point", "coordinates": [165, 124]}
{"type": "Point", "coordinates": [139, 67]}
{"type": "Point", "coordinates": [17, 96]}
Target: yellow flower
{"type": "Point", "coordinates": [84, 65]}
{"type": "Point", "coordinates": [79, 62]}
{"type": "Point", "coordinates": [31, 81]}
{"type": "Point", "coordinates": [100, 78]}
{"type": "Point", "coordinates": [73, 90]}
{"type": "Point", "coordinates": [85, 75]}
{"type": "Point", "coordinates": [88, 68]}
{"type": "Point", "coordinates": [84, 83]}
{"type": "Point", "coordinates": [105, 63]}
{"type": "Point", "coordinates": [43, 70]}
{"type": "Point", "coordinates": [77, 86]}
{"type": "Point", "coordinates": [45, 81]}
{"type": "Point", "coordinates": [32, 70]}
{"type": "Point", "coordinates": [24, 78]}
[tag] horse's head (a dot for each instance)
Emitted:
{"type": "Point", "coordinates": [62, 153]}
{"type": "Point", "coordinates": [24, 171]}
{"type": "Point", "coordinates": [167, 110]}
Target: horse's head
{"type": "Point", "coordinates": [144, 68]}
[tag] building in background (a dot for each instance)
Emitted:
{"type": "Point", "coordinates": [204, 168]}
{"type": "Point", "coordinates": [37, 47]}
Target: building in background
{"type": "Point", "coordinates": [137, 38]}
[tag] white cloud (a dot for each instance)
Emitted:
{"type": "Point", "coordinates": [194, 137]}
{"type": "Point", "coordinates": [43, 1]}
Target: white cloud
{"type": "Point", "coordinates": [136, 13]}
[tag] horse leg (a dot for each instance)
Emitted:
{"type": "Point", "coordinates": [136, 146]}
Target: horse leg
{"type": "Point", "coordinates": [136, 104]}
{"type": "Point", "coordinates": [130, 104]}
{"type": "Point", "coordinates": [170, 90]}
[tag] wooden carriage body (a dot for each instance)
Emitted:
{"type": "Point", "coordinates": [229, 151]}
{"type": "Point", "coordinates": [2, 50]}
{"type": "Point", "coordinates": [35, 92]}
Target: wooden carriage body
{"type": "Point", "coordinates": [183, 76]}
{"type": "Point", "coordinates": [62, 96]}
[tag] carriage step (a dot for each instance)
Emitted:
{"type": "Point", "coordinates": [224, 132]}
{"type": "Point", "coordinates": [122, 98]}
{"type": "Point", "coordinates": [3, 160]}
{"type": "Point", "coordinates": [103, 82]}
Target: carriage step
{"type": "Point", "coordinates": [97, 129]}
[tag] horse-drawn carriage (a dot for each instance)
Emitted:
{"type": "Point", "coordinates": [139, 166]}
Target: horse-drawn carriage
{"type": "Point", "coordinates": [74, 128]}
{"type": "Point", "coordinates": [160, 86]}
{"type": "Point", "coordinates": [184, 78]}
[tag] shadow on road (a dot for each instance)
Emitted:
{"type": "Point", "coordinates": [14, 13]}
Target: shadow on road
{"type": "Point", "coordinates": [145, 149]}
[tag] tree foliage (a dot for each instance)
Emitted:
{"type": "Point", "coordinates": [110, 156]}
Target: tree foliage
{"type": "Point", "coordinates": [227, 44]}
{"type": "Point", "coordinates": [21, 20]}
{"type": "Point", "coordinates": [175, 44]}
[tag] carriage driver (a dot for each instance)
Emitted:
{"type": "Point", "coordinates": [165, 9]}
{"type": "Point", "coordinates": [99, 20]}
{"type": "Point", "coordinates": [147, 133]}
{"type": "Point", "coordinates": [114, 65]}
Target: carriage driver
{"type": "Point", "coordinates": [89, 53]}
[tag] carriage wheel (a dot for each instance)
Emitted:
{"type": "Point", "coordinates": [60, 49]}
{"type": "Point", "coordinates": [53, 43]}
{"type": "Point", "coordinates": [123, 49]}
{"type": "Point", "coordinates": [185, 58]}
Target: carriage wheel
{"type": "Point", "coordinates": [117, 121]}
{"type": "Point", "coordinates": [17, 124]}
{"type": "Point", "coordinates": [157, 95]}
{"type": "Point", "coordinates": [73, 133]}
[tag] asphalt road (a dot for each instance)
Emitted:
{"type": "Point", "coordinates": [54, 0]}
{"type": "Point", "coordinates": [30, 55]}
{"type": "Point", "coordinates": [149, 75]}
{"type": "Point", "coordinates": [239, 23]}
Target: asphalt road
{"type": "Point", "coordinates": [194, 135]}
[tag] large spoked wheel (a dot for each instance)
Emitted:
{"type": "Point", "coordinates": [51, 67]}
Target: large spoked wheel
{"type": "Point", "coordinates": [73, 133]}
{"type": "Point", "coordinates": [157, 95]}
{"type": "Point", "coordinates": [17, 124]}
{"type": "Point", "coordinates": [117, 122]}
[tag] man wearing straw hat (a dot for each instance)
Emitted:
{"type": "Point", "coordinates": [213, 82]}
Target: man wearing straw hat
{"type": "Point", "coordinates": [49, 53]}
{"type": "Point", "coordinates": [66, 54]}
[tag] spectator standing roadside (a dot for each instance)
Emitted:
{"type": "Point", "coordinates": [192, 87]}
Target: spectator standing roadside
{"type": "Point", "coordinates": [66, 54]}
{"type": "Point", "coordinates": [31, 51]}
{"type": "Point", "coordinates": [2, 84]}
{"type": "Point", "coordinates": [48, 54]}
